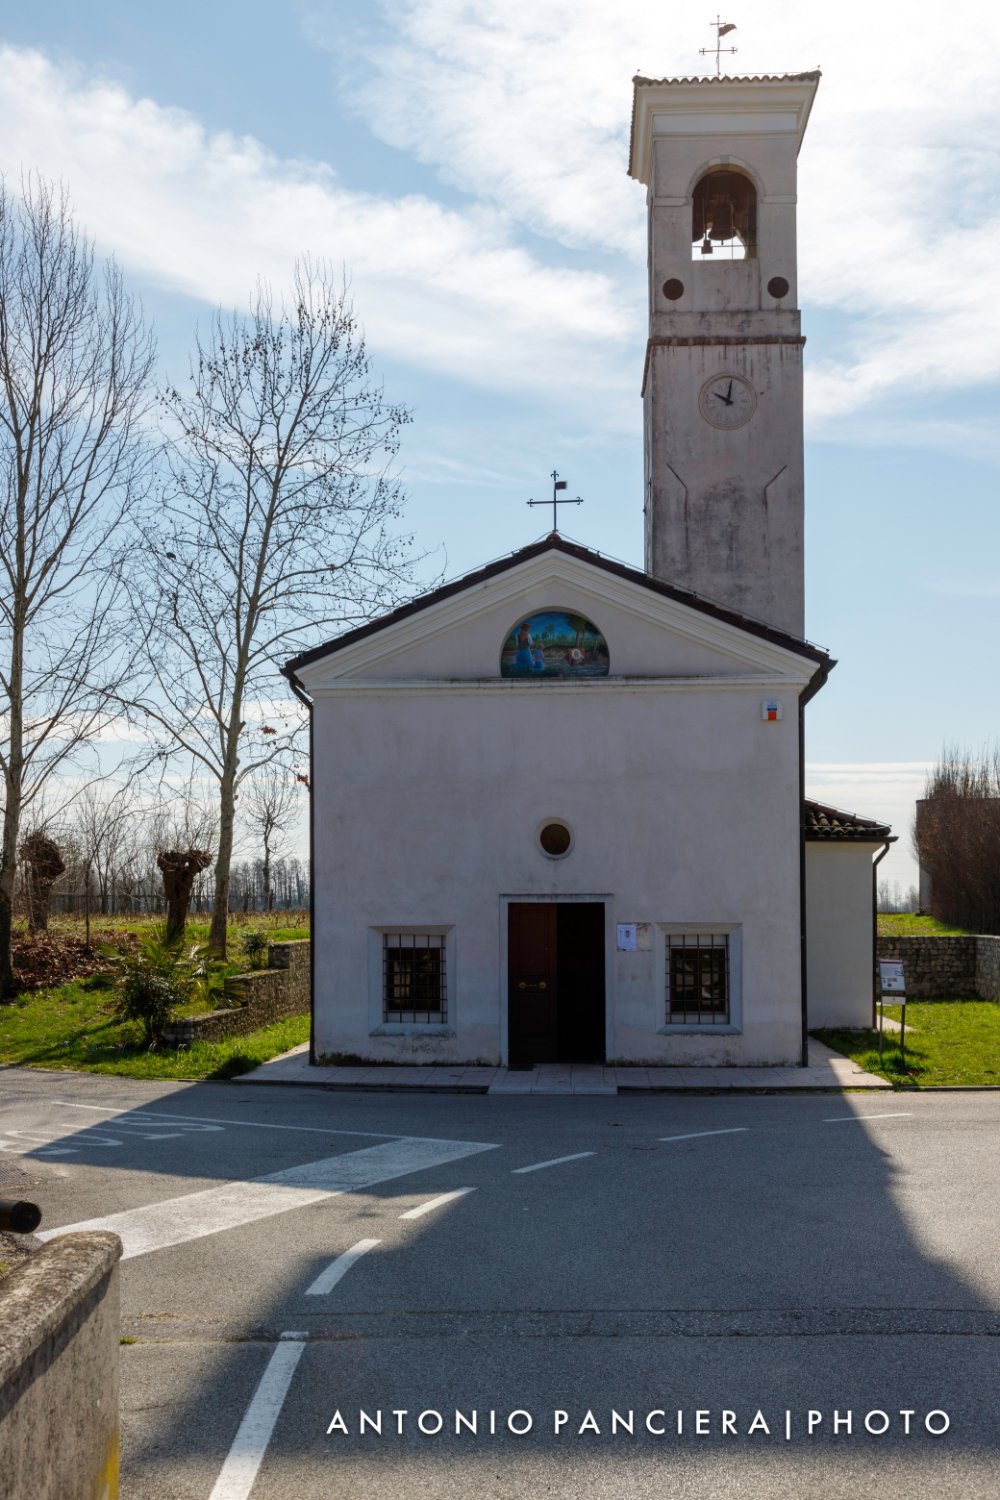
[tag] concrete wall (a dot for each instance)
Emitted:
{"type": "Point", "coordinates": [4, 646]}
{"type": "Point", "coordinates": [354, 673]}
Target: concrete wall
{"type": "Point", "coordinates": [282, 989]}
{"type": "Point", "coordinates": [684, 809]}
{"type": "Point", "coordinates": [839, 950]}
{"type": "Point", "coordinates": [940, 968]}
{"type": "Point", "coordinates": [59, 1330]}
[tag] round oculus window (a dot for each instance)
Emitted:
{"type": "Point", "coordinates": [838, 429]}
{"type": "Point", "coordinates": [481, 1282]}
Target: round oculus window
{"type": "Point", "coordinates": [555, 839]}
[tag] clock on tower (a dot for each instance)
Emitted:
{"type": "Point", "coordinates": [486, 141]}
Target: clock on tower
{"type": "Point", "coordinates": [722, 384]}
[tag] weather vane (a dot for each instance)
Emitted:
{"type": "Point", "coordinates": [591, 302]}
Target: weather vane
{"type": "Point", "coordinates": [557, 484]}
{"type": "Point", "coordinates": [722, 28]}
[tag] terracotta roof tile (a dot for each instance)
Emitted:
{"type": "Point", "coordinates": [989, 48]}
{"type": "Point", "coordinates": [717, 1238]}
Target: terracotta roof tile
{"type": "Point", "coordinates": [829, 823]}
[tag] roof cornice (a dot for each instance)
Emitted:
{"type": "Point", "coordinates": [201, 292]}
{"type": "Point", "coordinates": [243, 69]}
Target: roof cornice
{"type": "Point", "coordinates": [713, 614]}
{"type": "Point", "coordinates": [682, 105]}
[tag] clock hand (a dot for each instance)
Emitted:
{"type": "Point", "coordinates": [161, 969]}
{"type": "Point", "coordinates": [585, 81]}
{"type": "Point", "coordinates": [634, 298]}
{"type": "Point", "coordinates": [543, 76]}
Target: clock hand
{"type": "Point", "coordinates": [729, 394]}
{"type": "Point", "coordinates": [726, 400]}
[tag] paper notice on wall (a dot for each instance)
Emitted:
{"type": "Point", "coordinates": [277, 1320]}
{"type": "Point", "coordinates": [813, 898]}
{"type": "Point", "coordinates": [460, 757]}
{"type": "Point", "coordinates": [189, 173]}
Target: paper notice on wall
{"type": "Point", "coordinates": [628, 937]}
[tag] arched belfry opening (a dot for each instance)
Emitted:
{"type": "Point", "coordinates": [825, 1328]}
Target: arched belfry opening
{"type": "Point", "coordinates": [724, 216]}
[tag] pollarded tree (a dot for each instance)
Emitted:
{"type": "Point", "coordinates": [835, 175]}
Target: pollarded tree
{"type": "Point", "coordinates": [277, 523]}
{"type": "Point", "coordinates": [75, 362]}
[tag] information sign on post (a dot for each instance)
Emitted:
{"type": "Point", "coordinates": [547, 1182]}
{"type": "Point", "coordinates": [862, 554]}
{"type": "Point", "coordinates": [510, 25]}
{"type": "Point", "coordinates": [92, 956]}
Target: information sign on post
{"type": "Point", "coordinates": [891, 976]}
{"type": "Point", "coordinates": [892, 981]}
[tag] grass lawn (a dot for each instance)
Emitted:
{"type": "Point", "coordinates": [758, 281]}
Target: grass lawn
{"type": "Point", "coordinates": [280, 926]}
{"type": "Point", "coordinates": [72, 1027]}
{"type": "Point", "coordinates": [908, 924]}
{"type": "Point", "coordinates": [952, 1042]}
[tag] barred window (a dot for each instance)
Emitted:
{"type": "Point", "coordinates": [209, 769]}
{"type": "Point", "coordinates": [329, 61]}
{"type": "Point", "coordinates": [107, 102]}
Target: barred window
{"type": "Point", "coordinates": [698, 989]}
{"type": "Point", "coordinates": [414, 980]}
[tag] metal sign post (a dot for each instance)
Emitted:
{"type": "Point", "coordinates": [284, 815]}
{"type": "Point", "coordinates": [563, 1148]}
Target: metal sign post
{"type": "Point", "coordinates": [892, 981]}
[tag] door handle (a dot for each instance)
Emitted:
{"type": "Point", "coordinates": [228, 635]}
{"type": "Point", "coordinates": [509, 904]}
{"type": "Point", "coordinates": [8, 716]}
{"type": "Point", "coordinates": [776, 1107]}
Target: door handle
{"type": "Point", "coordinates": [524, 985]}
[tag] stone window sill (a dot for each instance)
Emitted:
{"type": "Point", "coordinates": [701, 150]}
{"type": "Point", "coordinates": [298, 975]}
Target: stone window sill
{"type": "Point", "coordinates": [699, 1031]}
{"type": "Point", "coordinates": [412, 1028]}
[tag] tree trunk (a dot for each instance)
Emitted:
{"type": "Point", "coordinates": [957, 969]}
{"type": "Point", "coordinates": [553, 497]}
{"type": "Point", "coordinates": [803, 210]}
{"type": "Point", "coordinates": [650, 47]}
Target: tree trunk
{"type": "Point", "coordinates": [224, 858]}
{"type": "Point", "coordinates": [227, 818]}
{"type": "Point", "coordinates": [8, 870]}
{"type": "Point", "coordinates": [12, 796]}
{"type": "Point", "coordinates": [44, 866]}
{"type": "Point", "coordinates": [179, 867]}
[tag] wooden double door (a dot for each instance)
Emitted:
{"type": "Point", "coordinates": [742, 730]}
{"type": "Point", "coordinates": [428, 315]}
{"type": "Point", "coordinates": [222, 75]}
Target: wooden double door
{"type": "Point", "coordinates": [555, 966]}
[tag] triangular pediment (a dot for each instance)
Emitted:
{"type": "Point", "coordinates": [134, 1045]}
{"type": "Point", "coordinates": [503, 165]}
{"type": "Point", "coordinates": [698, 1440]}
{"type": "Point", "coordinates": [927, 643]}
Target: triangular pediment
{"type": "Point", "coordinates": [457, 633]}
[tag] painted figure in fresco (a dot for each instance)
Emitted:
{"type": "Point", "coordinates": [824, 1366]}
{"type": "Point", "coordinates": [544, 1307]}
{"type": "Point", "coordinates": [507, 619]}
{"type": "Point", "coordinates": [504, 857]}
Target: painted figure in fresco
{"type": "Point", "coordinates": [553, 643]}
{"type": "Point", "coordinates": [522, 656]}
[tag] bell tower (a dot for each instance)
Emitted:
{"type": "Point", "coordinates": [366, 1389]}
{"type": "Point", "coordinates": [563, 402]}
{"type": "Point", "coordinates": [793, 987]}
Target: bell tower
{"type": "Point", "coordinates": [722, 384]}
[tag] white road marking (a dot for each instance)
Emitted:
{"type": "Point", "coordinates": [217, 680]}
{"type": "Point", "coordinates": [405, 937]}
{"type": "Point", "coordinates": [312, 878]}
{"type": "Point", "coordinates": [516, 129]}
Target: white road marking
{"type": "Point", "coordinates": [250, 1443]}
{"type": "Point", "coordinates": [150, 1114]}
{"type": "Point", "coordinates": [337, 1269]}
{"type": "Point", "coordinates": [904, 1114]}
{"type": "Point", "coordinates": [33, 1140]}
{"type": "Point", "coordinates": [556, 1161]}
{"type": "Point", "coordinates": [15, 1148]}
{"type": "Point", "coordinates": [697, 1134]}
{"type": "Point", "coordinates": [432, 1203]}
{"type": "Point", "coordinates": [174, 1221]}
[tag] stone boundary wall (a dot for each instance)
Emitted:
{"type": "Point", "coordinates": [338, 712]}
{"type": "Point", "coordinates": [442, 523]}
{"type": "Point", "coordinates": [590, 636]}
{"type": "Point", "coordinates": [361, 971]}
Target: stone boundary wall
{"type": "Point", "coordinates": [988, 968]}
{"type": "Point", "coordinates": [282, 989]}
{"type": "Point", "coordinates": [59, 1331]}
{"type": "Point", "coordinates": [956, 968]}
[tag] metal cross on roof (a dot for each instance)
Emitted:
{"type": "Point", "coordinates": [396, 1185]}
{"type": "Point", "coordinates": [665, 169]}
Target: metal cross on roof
{"type": "Point", "coordinates": [557, 485]}
{"type": "Point", "coordinates": [722, 28]}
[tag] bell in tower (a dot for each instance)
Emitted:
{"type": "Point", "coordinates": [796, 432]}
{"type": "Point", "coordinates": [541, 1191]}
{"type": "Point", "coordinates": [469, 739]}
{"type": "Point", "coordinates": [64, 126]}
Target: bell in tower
{"type": "Point", "coordinates": [722, 384]}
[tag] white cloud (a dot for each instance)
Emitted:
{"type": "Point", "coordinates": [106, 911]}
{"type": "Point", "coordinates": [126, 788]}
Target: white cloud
{"type": "Point", "coordinates": [526, 107]}
{"type": "Point", "coordinates": [530, 275]}
{"type": "Point", "coordinates": [886, 790]}
{"type": "Point", "coordinates": [207, 214]}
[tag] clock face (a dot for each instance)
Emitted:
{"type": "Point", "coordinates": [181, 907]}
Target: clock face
{"type": "Point", "coordinates": [727, 401]}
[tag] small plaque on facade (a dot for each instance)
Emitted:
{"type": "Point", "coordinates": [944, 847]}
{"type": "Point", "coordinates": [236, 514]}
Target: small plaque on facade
{"type": "Point", "coordinates": [628, 937]}
{"type": "Point", "coordinates": [770, 708]}
{"type": "Point", "coordinates": [890, 972]}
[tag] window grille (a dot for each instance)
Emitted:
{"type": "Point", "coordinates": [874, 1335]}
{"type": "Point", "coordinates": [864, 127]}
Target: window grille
{"type": "Point", "coordinates": [414, 980]}
{"type": "Point", "coordinates": [698, 979]}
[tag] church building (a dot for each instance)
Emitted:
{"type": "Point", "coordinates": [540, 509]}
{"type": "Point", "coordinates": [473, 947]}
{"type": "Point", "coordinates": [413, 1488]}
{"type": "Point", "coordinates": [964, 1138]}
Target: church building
{"type": "Point", "coordinates": [558, 804]}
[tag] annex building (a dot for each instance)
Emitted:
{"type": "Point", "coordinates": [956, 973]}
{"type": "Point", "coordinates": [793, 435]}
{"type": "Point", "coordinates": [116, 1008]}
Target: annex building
{"type": "Point", "coordinates": [558, 804]}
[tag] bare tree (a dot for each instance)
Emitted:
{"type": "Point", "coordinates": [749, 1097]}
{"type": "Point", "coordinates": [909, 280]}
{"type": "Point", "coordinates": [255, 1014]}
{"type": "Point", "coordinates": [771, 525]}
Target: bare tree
{"type": "Point", "coordinates": [956, 838]}
{"type": "Point", "coordinates": [277, 523]}
{"type": "Point", "coordinates": [75, 360]}
{"type": "Point", "coordinates": [270, 803]}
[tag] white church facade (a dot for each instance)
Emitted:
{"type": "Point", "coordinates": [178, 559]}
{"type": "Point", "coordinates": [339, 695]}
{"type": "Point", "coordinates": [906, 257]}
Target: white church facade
{"type": "Point", "coordinates": [558, 805]}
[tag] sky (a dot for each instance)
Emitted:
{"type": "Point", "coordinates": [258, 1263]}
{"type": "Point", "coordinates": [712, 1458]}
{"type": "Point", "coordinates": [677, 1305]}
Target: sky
{"type": "Point", "coordinates": [465, 162]}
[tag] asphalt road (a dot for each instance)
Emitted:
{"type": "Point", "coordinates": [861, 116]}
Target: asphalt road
{"type": "Point", "coordinates": [752, 1259]}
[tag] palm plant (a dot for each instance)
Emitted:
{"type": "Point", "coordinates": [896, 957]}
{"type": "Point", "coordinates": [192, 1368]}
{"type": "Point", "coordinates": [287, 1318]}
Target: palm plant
{"type": "Point", "coordinates": [164, 973]}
